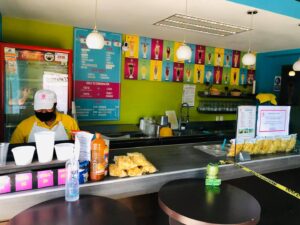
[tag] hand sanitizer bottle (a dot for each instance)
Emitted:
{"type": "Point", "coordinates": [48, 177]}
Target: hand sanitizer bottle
{"type": "Point", "coordinates": [72, 180]}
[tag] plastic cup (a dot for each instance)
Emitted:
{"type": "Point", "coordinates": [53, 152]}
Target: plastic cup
{"type": "Point", "coordinates": [44, 141]}
{"type": "Point", "coordinates": [3, 153]}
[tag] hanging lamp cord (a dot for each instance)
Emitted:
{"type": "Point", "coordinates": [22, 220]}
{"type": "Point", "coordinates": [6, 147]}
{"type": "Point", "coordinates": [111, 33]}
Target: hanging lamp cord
{"type": "Point", "coordinates": [251, 33]}
{"type": "Point", "coordinates": [96, 6]}
{"type": "Point", "coordinates": [184, 33]}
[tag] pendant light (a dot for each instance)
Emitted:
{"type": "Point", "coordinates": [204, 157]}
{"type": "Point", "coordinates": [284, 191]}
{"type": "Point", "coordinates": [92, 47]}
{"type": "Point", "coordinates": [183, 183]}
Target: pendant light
{"type": "Point", "coordinates": [296, 66]}
{"type": "Point", "coordinates": [292, 73]}
{"type": "Point", "coordinates": [95, 40]}
{"type": "Point", "coordinates": [184, 52]}
{"type": "Point", "coordinates": [249, 59]}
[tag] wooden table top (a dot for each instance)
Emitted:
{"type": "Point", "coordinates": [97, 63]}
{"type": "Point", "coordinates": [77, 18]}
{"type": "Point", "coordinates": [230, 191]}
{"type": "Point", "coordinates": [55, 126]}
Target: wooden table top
{"type": "Point", "coordinates": [189, 201]}
{"type": "Point", "coordinates": [88, 209]}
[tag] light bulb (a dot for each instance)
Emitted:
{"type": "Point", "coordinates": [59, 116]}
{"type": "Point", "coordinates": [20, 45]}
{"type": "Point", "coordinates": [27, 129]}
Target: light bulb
{"type": "Point", "coordinates": [95, 40]}
{"type": "Point", "coordinates": [249, 59]}
{"type": "Point", "coordinates": [292, 73]}
{"type": "Point", "coordinates": [296, 66]}
{"type": "Point", "coordinates": [184, 52]}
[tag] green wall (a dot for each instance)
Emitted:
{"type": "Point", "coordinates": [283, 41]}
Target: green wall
{"type": "Point", "coordinates": [32, 32]}
{"type": "Point", "coordinates": [138, 98]}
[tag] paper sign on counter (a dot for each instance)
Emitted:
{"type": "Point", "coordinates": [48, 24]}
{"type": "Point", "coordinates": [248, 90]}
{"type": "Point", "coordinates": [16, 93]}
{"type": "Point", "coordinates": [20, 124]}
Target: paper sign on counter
{"type": "Point", "coordinates": [273, 120]}
{"type": "Point", "coordinates": [246, 122]}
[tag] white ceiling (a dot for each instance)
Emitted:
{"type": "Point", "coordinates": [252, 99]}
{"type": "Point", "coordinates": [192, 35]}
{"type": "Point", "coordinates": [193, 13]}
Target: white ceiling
{"type": "Point", "coordinates": [271, 31]}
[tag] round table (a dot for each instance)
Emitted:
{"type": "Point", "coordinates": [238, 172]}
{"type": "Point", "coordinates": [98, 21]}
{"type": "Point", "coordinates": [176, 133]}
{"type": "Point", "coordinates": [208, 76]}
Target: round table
{"type": "Point", "coordinates": [88, 209]}
{"type": "Point", "coordinates": [189, 201]}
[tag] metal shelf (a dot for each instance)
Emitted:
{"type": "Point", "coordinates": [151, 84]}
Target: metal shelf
{"type": "Point", "coordinates": [222, 95]}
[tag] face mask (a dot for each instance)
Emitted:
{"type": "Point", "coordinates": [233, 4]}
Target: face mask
{"type": "Point", "coordinates": [44, 117]}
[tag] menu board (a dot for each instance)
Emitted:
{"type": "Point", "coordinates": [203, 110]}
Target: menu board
{"type": "Point", "coordinates": [273, 120]}
{"type": "Point", "coordinates": [97, 77]}
{"type": "Point", "coordinates": [246, 122]}
{"type": "Point", "coordinates": [156, 60]}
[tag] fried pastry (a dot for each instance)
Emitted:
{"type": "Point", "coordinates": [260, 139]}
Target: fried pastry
{"type": "Point", "coordinates": [124, 162]}
{"type": "Point", "coordinates": [133, 172]}
{"type": "Point", "coordinates": [115, 171]}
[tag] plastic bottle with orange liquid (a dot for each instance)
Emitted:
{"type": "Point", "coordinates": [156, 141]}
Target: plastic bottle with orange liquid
{"type": "Point", "coordinates": [97, 165]}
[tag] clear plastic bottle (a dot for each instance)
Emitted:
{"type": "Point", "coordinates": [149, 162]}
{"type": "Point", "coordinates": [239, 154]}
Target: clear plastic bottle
{"type": "Point", "coordinates": [72, 180]}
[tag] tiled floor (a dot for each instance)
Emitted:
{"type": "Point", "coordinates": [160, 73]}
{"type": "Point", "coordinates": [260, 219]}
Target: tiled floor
{"type": "Point", "coordinates": [277, 207]}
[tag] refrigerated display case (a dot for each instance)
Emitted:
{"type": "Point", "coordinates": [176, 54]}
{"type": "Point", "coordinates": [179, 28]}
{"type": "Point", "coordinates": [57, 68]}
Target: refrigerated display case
{"type": "Point", "coordinates": [26, 69]}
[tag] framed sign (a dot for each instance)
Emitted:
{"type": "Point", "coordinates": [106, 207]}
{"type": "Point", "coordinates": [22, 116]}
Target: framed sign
{"type": "Point", "coordinates": [273, 120]}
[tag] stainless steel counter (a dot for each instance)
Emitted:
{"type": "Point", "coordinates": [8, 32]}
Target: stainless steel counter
{"type": "Point", "coordinates": [172, 161]}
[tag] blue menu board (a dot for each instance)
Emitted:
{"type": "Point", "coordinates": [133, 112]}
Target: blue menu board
{"type": "Point", "coordinates": [97, 76]}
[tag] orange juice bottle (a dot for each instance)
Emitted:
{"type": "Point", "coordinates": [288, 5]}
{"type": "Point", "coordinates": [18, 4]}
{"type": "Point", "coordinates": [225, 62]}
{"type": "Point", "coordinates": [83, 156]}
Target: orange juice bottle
{"type": "Point", "coordinates": [97, 165]}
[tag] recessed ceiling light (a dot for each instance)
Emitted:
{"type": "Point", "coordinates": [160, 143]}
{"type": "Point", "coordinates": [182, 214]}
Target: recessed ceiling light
{"type": "Point", "coordinates": [196, 24]}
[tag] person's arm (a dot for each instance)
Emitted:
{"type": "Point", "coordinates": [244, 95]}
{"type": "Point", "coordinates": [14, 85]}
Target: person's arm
{"type": "Point", "coordinates": [70, 124]}
{"type": "Point", "coordinates": [18, 136]}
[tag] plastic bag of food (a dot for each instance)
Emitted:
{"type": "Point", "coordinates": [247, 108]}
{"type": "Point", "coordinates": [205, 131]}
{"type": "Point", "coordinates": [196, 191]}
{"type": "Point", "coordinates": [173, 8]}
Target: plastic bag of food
{"type": "Point", "coordinates": [292, 143]}
{"type": "Point", "coordinates": [270, 145]}
{"type": "Point", "coordinates": [276, 143]}
{"type": "Point", "coordinates": [235, 147]}
{"type": "Point", "coordinates": [258, 147]}
{"type": "Point", "coordinates": [284, 143]}
{"type": "Point", "coordinates": [249, 145]}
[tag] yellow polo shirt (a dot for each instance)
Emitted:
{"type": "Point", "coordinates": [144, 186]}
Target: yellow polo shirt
{"type": "Point", "coordinates": [22, 131]}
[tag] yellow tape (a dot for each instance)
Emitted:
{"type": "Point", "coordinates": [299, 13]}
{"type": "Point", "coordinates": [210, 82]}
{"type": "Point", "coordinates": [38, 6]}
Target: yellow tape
{"type": "Point", "coordinates": [268, 180]}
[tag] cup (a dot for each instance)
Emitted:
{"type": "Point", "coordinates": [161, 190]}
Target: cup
{"type": "Point", "coordinates": [3, 153]}
{"type": "Point", "coordinates": [44, 141]}
{"type": "Point", "coordinates": [164, 120]}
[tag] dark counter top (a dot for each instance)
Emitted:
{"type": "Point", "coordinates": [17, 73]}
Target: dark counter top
{"type": "Point", "coordinates": [172, 161]}
{"type": "Point", "coordinates": [129, 135]}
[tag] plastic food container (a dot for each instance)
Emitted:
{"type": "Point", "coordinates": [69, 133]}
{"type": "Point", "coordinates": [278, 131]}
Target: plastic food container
{"type": "Point", "coordinates": [64, 151]}
{"type": "Point", "coordinates": [23, 155]}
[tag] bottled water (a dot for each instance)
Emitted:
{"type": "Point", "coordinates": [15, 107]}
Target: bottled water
{"type": "Point", "coordinates": [72, 180]}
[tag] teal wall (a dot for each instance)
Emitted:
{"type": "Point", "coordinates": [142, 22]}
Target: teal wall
{"type": "Point", "coordinates": [268, 65]}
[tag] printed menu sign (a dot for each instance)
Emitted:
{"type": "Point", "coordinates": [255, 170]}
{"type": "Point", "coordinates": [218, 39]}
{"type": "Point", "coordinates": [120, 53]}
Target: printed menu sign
{"type": "Point", "coordinates": [246, 122]}
{"type": "Point", "coordinates": [97, 77]}
{"type": "Point", "coordinates": [188, 95]}
{"type": "Point", "coordinates": [273, 120]}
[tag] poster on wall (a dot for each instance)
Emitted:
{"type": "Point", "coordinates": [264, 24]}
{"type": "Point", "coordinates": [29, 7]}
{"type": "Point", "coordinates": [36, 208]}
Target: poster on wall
{"type": "Point", "coordinates": [97, 75]}
{"type": "Point", "coordinates": [273, 120]}
{"type": "Point", "coordinates": [277, 83]}
{"type": "Point", "coordinates": [58, 83]}
{"type": "Point", "coordinates": [156, 60]}
{"type": "Point", "coordinates": [188, 95]}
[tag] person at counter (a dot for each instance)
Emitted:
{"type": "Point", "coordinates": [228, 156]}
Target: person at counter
{"type": "Point", "coordinates": [46, 118]}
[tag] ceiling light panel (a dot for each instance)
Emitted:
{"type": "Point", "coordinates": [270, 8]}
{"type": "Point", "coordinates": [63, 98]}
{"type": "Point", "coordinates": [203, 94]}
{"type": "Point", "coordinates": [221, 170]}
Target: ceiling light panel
{"type": "Point", "coordinates": [201, 25]}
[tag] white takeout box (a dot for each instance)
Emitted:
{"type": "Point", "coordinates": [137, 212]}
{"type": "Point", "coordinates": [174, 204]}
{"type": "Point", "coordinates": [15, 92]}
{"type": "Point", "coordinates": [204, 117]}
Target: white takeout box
{"type": "Point", "coordinates": [44, 141]}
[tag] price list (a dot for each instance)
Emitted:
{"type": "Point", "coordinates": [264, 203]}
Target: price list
{"type": "Point", "coordinates": [97, 77]}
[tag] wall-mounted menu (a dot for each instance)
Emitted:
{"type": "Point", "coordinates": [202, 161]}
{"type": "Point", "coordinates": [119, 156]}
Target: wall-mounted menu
{"type": "Point", "coordinates": [155, 60]}
{"type": "Point", "coordinates": [97, 77]}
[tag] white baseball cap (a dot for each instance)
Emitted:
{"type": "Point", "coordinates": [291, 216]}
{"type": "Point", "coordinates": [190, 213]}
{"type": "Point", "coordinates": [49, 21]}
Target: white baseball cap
{"type": "Point", "coordinates": [44, 99]}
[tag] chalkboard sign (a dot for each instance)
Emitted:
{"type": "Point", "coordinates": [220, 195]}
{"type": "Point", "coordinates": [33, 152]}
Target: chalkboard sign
{"type": "Point", "coordinates": [97, 76]}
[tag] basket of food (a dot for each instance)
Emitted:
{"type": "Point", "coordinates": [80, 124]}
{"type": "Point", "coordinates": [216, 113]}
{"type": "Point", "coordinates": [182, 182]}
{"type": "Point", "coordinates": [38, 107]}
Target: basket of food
{"type": "Point", "coordinates": [235, 92]}
{"type": "Point", "coordinates": [214, 91]}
